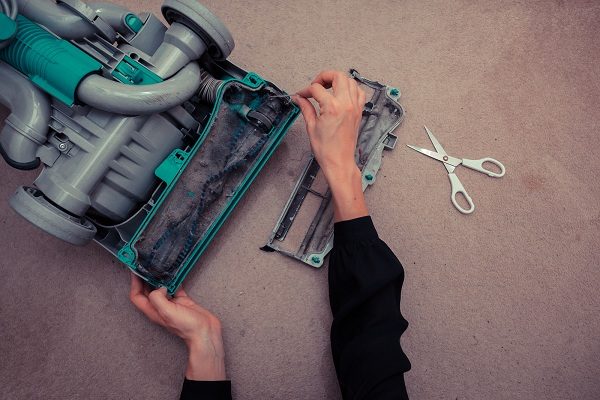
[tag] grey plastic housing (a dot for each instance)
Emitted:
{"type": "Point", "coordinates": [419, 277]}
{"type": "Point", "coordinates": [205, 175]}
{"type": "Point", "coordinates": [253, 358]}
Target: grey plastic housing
{"type": "Point", "coordinates": [150, 36]}
{"type": "Point", "coordinates": [114, 169]}
{"type": "Point", "coordinates": [100, 155]}
{"type": "Point", "coordinates": [34, 206]}
{"type": "Point", "coordinates": [64, 21]}
{"type": "Point", "coordinates": [114, 15]}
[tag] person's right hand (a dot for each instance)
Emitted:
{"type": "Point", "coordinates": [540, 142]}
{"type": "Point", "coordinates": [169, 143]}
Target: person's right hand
{"type": "Point", "coordinates": [333, 133]}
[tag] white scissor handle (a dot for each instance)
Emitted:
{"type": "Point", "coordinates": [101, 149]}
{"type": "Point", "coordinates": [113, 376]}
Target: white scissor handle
{"type": "Point", "coordinates": [477, 165]}
{"type": "Point", "coordinates": [457, 188]}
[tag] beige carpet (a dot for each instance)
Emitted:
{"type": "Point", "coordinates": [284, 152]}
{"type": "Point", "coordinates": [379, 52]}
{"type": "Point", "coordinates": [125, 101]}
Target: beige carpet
{"type": "Point", "coordinates": [502, 304]}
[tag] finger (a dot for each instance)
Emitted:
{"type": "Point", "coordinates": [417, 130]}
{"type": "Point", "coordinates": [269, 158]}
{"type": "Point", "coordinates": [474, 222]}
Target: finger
{"type": "Point", "coordinates": [138, 288]}
{"type": "Point", "coordinates": [136, 285]}
{"type": "Point", "coordinates": [336, 80]}
{"type": "Point", "coordinates": [140, 301]}
{"type": "Point", "coordinates": [317, 92]}
{"type": "Point", "coordinates": [150, 312]}
{"type": "Point", "coordinates": [180, 293]}
{"type": "Point", "coordinates": [308, 111]}
{"type": "Point", "coordinates": [158, 299]}
{"type": "Point", "coordinates": [181, 297]}
{"type": "Point", "coordinates": [184, 301]}
{"type": "Point", "coordinates": [353, 89]}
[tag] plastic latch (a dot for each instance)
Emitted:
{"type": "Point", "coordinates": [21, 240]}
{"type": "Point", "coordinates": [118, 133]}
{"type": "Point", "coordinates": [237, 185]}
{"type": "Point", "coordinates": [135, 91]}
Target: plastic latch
{"type": "Point", "coordinates": [167, 171]}
{"type": "Point", "coordinates": [8, 27]}
{"type": "Point", "coordinates": [253, 80]}
{"type": "Point", "coordinates": [390, 141]}
{"type": "Point", "coordinates": [132, 72]}
{"type": "Point", "coordinates": [127, 255]}
{"type": "Point", "coordinates": [133, 22]}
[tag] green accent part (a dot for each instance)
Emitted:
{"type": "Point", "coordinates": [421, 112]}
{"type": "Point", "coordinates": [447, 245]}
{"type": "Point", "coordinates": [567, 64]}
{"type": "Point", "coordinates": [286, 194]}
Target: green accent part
{"type": "Point", "coordinates": [53, 64]}
{"type": "Point", "coordinates": [394, 92]}
{"type": "Point", "coordinates": [132, 72]}
{"type": "Point", "coordinates": [316, 259]}
{"type": "Point", "coordinates": [126, 255]}
{"type": "Point", "coordinates": [174, 165]}
{"type": "Point", "coordinates": [8, 27]}
{"type": "Point", "coordinates": [253, 80]}
{"type": "Point", "coordinates": [168, 170]}
{"type": "Point", "coordinates": [133, 22]}
{"type": "Point", "coordinates": [369, 177]}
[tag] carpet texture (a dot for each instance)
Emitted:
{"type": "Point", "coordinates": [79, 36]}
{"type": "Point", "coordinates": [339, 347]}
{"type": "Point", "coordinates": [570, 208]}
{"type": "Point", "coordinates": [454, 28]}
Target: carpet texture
{"type": "Point", "coordinates": [502, 304]}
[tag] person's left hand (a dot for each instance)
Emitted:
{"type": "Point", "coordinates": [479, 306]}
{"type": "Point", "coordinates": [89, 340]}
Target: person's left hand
{"type": "Point", "coordinates": [198, 327]}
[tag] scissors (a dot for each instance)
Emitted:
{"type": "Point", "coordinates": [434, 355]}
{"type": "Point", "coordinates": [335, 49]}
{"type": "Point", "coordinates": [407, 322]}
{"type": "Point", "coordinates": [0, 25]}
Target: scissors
{"type": "Point", "coordinates": [452, 162]}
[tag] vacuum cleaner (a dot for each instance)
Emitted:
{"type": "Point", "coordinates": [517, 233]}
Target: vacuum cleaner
{"type": "Point", "coordinates": [147, 137]}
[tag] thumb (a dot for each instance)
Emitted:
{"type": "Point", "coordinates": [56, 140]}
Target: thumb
{"type": "Point", "coordinates": [158, 298]}
{"type": "Point", "coordinates": [308, 111]}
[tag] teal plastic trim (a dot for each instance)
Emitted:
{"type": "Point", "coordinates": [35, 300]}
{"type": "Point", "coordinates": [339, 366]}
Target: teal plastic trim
{"type": "Point", "coordinates": [132, 72]}
{"type": "Point", "coordinates": [133, 22]}
{"type": "Point", "coordinates": [53, 64]}
{"type": "Point", "coordinates": [171, 169]}
{"type": "Point", "coordinates": [8, 27]}
{"type": "Point", "coordinates": [253, 80]}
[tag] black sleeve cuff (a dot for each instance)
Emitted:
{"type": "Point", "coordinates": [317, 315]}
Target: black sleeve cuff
{"type": "Point", "coordinates": [354, 230]}
{"type": "Point", "coordinates": [206, 390]}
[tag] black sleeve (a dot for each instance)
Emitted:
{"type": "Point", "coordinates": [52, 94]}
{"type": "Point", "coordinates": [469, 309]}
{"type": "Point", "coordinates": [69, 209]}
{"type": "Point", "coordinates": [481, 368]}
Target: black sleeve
{"type": "Point", "coordinates": [205, 390]}
{"type": "Point", "coordinates": [365, 281]}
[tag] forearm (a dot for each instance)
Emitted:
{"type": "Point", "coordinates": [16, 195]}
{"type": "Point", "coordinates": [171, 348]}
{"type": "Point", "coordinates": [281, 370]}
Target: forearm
{"type": "Point", "coordinates": [365, 280]}
{"type": "Point", "coordinates": [346, 188]}
{"type": "Point", "coordinates": [205, 374]}
{"type": "Point", "coordinates": [203, 367]}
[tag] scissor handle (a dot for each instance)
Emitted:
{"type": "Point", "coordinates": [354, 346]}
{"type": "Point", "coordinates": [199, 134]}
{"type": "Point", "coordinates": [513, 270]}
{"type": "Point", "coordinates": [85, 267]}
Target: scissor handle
{"type": "Point", "coordinates": [477, 165]}
{"type": "Point", "coordinates": [457, 188]}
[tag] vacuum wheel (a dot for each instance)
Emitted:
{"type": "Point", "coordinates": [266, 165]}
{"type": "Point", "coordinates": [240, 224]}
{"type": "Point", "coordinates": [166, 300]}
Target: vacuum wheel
{"type": "Point", "coordinates": [205, 24]}
{"type": "Point", "coordinates": [31, 204]}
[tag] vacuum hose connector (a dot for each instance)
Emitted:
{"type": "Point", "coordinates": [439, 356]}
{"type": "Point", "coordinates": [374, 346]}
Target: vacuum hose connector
{"type": "Point", "coordinates": [209, 87]}
{"type": "Point", "coordinates": [26, 127]}
{"type": "Point", "coordinates": [53, 64]}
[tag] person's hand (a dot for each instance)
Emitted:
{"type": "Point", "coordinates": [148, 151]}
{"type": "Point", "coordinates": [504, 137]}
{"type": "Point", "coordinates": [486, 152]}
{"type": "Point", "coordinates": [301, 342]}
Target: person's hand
{"type": "Point", "coordinates": [200, 329]}
{"type": "Point", "coordinates": [333, 133]}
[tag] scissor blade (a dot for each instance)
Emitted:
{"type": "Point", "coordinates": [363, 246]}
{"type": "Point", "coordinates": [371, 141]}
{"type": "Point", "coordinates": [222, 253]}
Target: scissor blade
{"type": "Point", "coordinates": [436, 144]}
{"type": "Point", "coordinates": [426, 152]}
{"type": "Point", "coordinates": [450, 162]}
